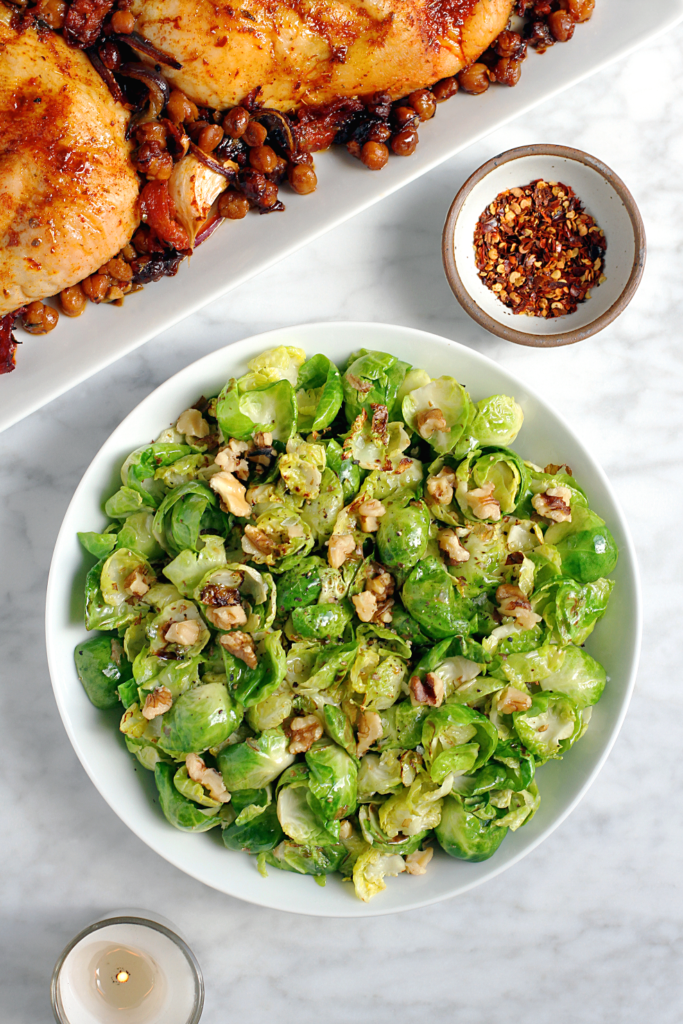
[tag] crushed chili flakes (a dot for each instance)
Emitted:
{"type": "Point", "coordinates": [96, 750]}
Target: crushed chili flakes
{"type": "Point", "coordinates": [538, 250]}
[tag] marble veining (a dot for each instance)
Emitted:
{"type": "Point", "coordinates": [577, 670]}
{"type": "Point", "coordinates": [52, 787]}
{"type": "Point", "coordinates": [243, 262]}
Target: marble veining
{"type": "Point", "coordinates": [588, 928]}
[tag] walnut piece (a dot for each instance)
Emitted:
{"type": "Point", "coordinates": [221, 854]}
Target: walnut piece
{"type": "Point", "coordinates": [450, 543]}
{"type": "Point", "coordinates": [369, 731]}
{"type": "Point", "coordinates": [340, 547]}
{"type": "Point", "coordinates": [384, 612]}
{"type": "Point", "coordinates": [554, 504]}
{"type": "Point", "coordinates": [136, 583]}
{"type": "Point", "coordinates": [184, 633]}
{"type": "Point", "coordinates": [241, 645]}
{"type": "Point", "coordinates": [365, 605]}
{"type": "Point", "coordinates": [510, 699]}
{"type": "Point", "coordinates": [428, 690]}
{"type": "Point", "coordinates": [227, 616]}
{"type": "Point", "coordinates": [263, 439]}
{"type": "Point", "coordinates": [261, 541]}
{"type": "Point", "coordinates": [482, 502]}
{"type": "Point", "coordinates": [230, 462]}
{"type": "Point", "coordinates": [442, 485]}
{"type": "Point", "coordinates": [304, 732]}
{"type": "Point", "coordinates": [429, 421]}
{"type": "Point", "coordinates": [193, 423]}
{"type": "Point", "coordinates": [157, 702]}
{"type": "Point", "coordinates": [416, 863]}
{"type": "Point", "coordinates": [382, 585]}
{"type": "Point", "coordinates": [370, 512]}
{"type": "Point", "coordinates": [513, 603]}
{"type": "Point", "coordinates": [211, 779]}
{"type": "Point", "coordinates": [231, 492]}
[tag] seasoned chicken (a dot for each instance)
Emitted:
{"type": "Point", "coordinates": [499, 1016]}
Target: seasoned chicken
{"type": "Point", "coordinates": [68, 188]}
{"type": "Point", "coordinates": [314, 51]}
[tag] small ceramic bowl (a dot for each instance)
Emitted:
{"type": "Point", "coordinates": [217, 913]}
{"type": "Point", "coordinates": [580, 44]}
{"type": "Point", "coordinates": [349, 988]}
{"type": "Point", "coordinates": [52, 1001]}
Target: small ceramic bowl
{"type": "Point", "coordinates": [605, 198]}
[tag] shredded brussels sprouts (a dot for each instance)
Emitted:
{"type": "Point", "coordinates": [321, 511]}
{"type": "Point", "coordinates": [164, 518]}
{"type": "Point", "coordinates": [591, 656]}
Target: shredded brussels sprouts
{"type": "Point", "coordinates": [345, 624]}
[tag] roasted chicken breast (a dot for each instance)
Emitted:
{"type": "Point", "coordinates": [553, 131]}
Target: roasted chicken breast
{"type": "Point", "coordinates": [68, 188]}
{"type": "Point", "coordinates": [310, 52]}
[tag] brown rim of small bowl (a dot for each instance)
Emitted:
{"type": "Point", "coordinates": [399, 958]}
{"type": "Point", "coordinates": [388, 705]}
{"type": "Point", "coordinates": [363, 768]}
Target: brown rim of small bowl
{"type": "Point", "coordinates": [509, 333]}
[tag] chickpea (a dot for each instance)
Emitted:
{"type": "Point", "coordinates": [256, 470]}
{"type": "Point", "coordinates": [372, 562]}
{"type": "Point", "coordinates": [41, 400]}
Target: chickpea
{"type": "Point", "coordinates": [580, 10]}
{"type": "Point", "coordinates": [110, 55]}
{"type": "Point", "coordinates": [255, 134]}
{"type": "Point", "coordinates": [444, 89]}
{"type": "Point", "coordinates": [39, 319]}
{"type": "Point", "coordinates": [269, 195]}
{"type": "Point", "coordinates": [233, 205]}
{"type": "Point", "coordinates": [72, 300]}
{"type": "Point", "coordinates": [151, 131]}
{"type": "Point", "coordinates": [406, 117]}
{"type": "Point", "coordinates": [379, 132]}
{"type": "Point", "coordinates": [379, 104]}
{"type": "Point", "coordinates": [123, 22]}
{"type": "Point", "coordinates": [508, 44]}
{"type": "Point", "coordinates": [96, 287]}
{"type": "Point", "coordinates": [374, 155]}
{"type": "Point", "coordinates": [263, 158]}
{"type": "Point", "coordinates": [423, 103]}
{"type": "Point", "coordinates": [405, 143]}
{"type": "Point", "coordinates": [128, 252]}
{"type": "Point", "coordinates": [153, 161]}
{"type": "Point", "coordinates": [562, 25]}
{"type": "Point", "coordinates": [354, 148]}
{"type": "Point", "coordinates": [508, 71]}
{"type": "Point", "coordinates": [235, 122]}
{"type": "Point", "coordinates": [302, 179]}
{"type": "Point", "coordinates": [180, 109]}
{"type": "Point", "coordinates": [52, 12]}
{"type": "Point", "coordinates": [475, 79]}
{"type": "Point", "coordinates": [210, 137]}
{"type": "Point", "coordinates": [118, 269]}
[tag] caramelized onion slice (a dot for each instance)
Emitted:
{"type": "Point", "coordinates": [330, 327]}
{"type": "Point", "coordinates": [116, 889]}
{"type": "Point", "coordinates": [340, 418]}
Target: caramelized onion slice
{"type": "Point", "coordinates": [194, 187]}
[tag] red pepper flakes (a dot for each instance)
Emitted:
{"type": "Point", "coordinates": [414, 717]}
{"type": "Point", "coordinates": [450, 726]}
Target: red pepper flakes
{"type": "Point", "coordinates": [538, 250]}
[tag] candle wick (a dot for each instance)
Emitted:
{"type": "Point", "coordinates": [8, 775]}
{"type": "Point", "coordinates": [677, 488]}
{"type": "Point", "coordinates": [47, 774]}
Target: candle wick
{"type": "Point", "coordinates": [122, 977]}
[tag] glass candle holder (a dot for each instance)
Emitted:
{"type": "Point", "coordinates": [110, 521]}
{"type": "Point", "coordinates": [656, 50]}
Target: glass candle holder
{"type": "Point", "coordinates": [128, 968]}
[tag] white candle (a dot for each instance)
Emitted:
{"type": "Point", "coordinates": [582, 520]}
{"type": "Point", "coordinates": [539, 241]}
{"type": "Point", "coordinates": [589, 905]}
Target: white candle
{"type": "Point", "coordinates": [127, 970]}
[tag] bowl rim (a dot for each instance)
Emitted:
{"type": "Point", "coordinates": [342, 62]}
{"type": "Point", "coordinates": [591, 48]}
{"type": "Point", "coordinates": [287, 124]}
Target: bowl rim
{"type": "Point", "coordinates": [234, 352]}
{"type": "Point", "coordinates": [569, 337]}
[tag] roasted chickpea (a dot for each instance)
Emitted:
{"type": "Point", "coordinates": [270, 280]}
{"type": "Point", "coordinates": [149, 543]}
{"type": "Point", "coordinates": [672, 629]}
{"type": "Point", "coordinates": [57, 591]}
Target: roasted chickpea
{"type": "Point", "coordinates": [39, 319]}
{"type": "Point", "coordinates": [52, 12]}
{"type": "Point", "coordinates": [72, 300]}
{"type": "Point", "coordinates": [379, 104]}
{"type": "Point", "coordinates": [406, 117]}
{"type": "Point", "coordinates": [209, 138]}
{"type": "Point", "coordinates": [269, 196]}
{"type": "Point", "coordinates": [580, 10]}
{"type": "Point", "coordinates": [233, 205]}
{"type": "Point", "coordinates": [379, 132]}
{"type": "Point", "coordinates": [235, 122]}
{"type": "Point", "coordinates": [123, 22]}
{"type": "Point", "coordinates": [353, 146]}
{"type": "Point", "coordinates": [374, 155]}
{"type": "Point", "coordinates": [110, 55]}
{"type": "Point", "coordinates": [255, 134]}
{"type": "Point", "coordinates": [128, 252]}
{"type": "Point", "coordinates": [180, 109]}
{"type": "Point", "coordinates": [562, 26]}
{"type": "Point", "coordinates": [444, 89]}
{"type": "Point", "coordinates": [423, 103]}
{"type": "Point", "coordinates": [302, 179]}
{"type": "Point", "coordinates": [263, 158]}
{"type": "Point", "coordinates": [508, 71]}
{"type": "Point", "coordinates": [508, 44]}
{"type": "Point", "coordinates": [153, 161]}
{"type": "Point", "coordinates": [475, 79]}
{"type": "Point", "coordinates": [151, 131]}
{"type": "Point", "coordinates": [405, 143]}
{"type": "Point", "coordinates": [96, 287]}
{"type": "Point", "coordinates": [118, 269]}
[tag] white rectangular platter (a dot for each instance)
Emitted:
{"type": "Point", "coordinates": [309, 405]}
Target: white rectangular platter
{"type": "Point", "coordinates": [48, 366]}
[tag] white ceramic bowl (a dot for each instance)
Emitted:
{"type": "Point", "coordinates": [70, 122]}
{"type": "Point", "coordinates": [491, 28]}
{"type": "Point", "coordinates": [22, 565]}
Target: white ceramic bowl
{"type": "Point", "coordinates": [545, 438]}
{"type": "Point", "coordinates": [605, 198]}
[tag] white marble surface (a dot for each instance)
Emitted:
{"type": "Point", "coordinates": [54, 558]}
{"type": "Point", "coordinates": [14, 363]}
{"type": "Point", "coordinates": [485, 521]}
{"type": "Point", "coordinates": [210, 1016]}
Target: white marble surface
{"type": "Point", "coordinates": [589, 927]}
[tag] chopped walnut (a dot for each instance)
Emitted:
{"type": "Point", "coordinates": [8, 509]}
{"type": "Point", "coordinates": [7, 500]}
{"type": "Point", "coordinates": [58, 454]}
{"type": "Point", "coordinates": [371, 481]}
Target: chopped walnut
{"type": "Point", "coordinates": [511, 699]}
{"type": "Point", "coordinates": [482, 502]}
{"type": "Point", "coordinates": [450, 543]}
{"type": "Point", "coordinates": [369, 731]}
{"type": "Point", "coordinates": [211, 779]}
{"type": "Point", "coordinates": [263, 439]}
{"type": "Point", "coordinates": [193, 423]}
{"type": "Point", "coordinates": [513, 603]}
{"type": "Point", "coordinates": [136, 583]}
{"type": "Point", "coordinates": [241, 645]}
{"type": "Point", "coordinates": [416, 863]}
{"type": "Point", "coordinates": [382, 585]}
{"type": "Point", "coordinates": [345, 829]}
{"type": "Point", "coordinates": [184, 633]}
{"type": "Point", "coordinates": [303, 732]}
{"type": "Point", "coordinates": [231, 462]}
{"type": "Point", "coordinates": [340, 547]}
{"type": "Point", "coordinates": [552, 469]}
{"type": "Point", "coordinates": [157, 702]}
{"type": "Point", "coordinates": [554, 504]}
{"type": "Point", "coordinates": [231, 493]}
{"type": "Point", "coordinates": [260, 540]}
{"type": "Point", "coordinates": [429, 421]}
{"type": "Point", "coordinates": [226, 617]}
{"type": "Point", "coordinates": [428, 690]}
{"type": "Point", "coordinates": [370, 512]}
{"type": "Point", "coordinates": [384, 613]}
{"type": "Point", "coordinates": [365, 605]}
{"type": "Point", "coordinates": [442, 485]}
